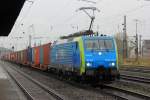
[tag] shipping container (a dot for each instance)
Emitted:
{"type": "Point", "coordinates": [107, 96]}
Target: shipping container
{"type": "Point", "coordinates": [25, 57]}
{"type": "Point", "coordinates": [19, 57]}
{"type": "Point", "coordinates": [36, 57]}
{"type": "Point", "coordinates": [29, 56]}
{"type": "Point", "coordinates": [41, 56]}
{"type": "Point", "coordinates": [15, 57]}
{"type": "Point", "coordinates": [21, 54]}
{"type": "Point", "coordinates": [9, 57]}
{"type": "Point", "coordinates": [12, 57]}
{"type": "Point", "coordinates": [32, 61]}
{"type": "Point", "coordinates": [44, 56]}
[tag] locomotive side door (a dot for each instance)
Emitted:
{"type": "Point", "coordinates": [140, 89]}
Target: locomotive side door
{"type": "Point", "coordinates": [76, 57]}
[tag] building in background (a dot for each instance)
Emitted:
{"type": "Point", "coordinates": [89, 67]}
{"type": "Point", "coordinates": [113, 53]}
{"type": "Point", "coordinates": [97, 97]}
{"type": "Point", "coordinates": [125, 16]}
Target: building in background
{"type": "Point", "coordinates": [146, 49]}
{"type": "Point", "coordinates": [4, 51]}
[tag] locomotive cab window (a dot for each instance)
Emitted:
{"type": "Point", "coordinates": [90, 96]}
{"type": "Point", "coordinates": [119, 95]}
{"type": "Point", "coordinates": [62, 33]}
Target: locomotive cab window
{"type": "Point", "coordinates": [109, 44]}
{"type": "Point", "coordinates": [91, 44]}
{"type": "Point", "coordinates": [103, 44]}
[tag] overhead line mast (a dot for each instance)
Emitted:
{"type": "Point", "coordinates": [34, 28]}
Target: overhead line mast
{"type": "Point", "coordinates": [125, 45]}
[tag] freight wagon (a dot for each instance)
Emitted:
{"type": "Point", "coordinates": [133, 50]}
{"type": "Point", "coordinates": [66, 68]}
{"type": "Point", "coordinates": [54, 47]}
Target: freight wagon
{"type": "Point", "coordinates": [38, 57]}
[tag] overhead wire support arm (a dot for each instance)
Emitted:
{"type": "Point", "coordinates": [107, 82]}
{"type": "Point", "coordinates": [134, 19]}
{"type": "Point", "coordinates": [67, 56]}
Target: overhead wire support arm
{"type": "Point", "coordinates": [87, 13]}
{"type": "Point", "coordinates": [86, 32]}
{"type": "Point", "coordinates": [88, 1]}
{"type": "Point", "coordinates": [92, 17]}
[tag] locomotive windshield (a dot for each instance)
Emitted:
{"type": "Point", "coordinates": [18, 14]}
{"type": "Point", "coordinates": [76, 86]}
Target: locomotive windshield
{"type": "Point", "coordinates": [103, 44]}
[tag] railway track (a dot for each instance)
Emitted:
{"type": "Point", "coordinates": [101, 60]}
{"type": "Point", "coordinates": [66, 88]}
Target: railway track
{"type": "Point", "coordinates": [33, 89]}
{"type": "Point", "coordinates": [136, 69]}
{"type": "Point", "coordinates": [76, 91]}
{"type": "Point", "coordinates": [126, 94]}
{"type": "Point", "coordinates": [119, 94]}
{"type": "Point", "coordinates": [135, 78]}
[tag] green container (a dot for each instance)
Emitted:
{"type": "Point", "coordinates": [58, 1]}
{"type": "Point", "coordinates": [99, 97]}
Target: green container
{"type": "Point", "coordinates": [41, 55]}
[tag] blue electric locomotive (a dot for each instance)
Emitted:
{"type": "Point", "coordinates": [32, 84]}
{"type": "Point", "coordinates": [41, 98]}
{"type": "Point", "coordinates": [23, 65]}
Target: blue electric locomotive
{"type": "Point", "coordinates": [89, 56]}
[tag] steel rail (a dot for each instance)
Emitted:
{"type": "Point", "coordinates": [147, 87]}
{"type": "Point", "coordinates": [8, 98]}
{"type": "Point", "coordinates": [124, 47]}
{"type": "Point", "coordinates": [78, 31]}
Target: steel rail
{"type": "Point", "coordinates": [29, 97]}
{"type": "Point", "coordinates": [127, 92]}
{"type": "Point", "coordinates": [135, 78]}
{"type": "Point", "coordinates": [44, 87]}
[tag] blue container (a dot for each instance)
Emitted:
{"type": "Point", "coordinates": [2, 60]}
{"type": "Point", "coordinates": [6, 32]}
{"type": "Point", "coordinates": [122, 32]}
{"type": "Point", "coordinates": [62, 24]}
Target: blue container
{"type": "Point", "coordinates": [29, 55]}
{"type": "Point", "coordinates": [32, 56]}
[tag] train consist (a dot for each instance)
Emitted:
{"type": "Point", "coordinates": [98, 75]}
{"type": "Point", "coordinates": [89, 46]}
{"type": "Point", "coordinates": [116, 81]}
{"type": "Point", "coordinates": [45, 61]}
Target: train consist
{"type": "Point", "coordinates": [87, 57]}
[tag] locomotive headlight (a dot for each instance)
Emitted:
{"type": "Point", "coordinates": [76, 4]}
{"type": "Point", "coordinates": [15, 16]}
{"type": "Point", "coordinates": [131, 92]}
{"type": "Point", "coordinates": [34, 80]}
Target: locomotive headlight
{"type": "Point", "coordinates": [100, 53]}
{"type": "Point", "coordinates": [112, 64]}
{"type": "Point", "coordinates": [88, 64]}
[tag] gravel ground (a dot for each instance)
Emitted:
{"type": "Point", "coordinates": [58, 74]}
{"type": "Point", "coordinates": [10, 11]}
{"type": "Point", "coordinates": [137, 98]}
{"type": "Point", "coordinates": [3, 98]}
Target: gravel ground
{"type": "Point", "coordinates": [133, 86]}
{"type": "Point", "coordinates": [138, 74]}
{"type": "Point", "coordinates": [136, 69]}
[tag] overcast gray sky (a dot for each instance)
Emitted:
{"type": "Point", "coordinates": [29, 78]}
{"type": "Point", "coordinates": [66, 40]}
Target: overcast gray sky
{"type": "Point", "coordinates": [53, 18]}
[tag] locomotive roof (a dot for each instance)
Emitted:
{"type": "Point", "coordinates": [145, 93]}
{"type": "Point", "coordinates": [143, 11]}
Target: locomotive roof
{"type": "Point", "coordinates": [99, 36]}
{"type": "Point", "coordinates": [61, 41]}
